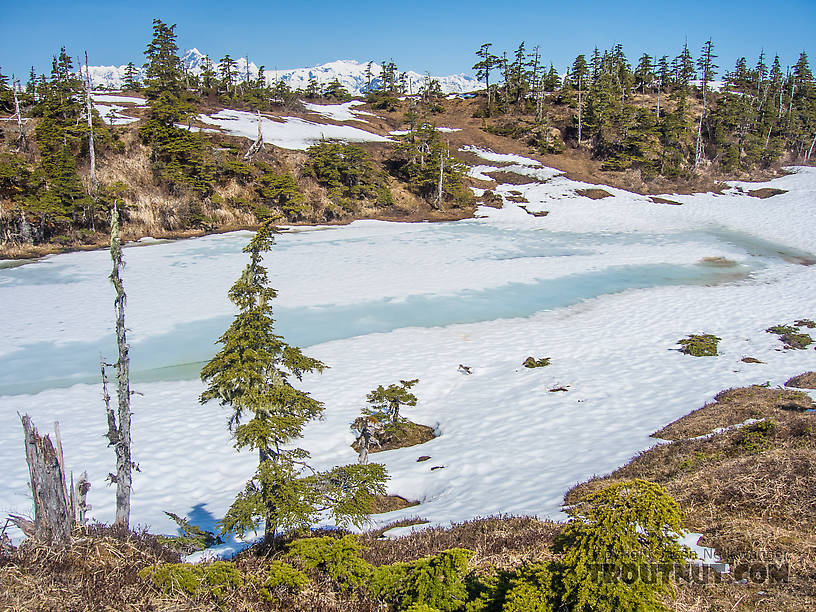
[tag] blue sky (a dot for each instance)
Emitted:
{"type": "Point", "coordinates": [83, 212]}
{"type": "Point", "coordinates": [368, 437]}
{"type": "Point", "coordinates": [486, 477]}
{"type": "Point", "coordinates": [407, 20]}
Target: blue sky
{"type": "Point", "coordinates": [439, 37]}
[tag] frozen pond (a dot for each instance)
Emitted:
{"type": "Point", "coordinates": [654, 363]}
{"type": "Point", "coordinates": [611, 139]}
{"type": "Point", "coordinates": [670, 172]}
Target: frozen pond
{"type": "Point", "coordinates": [534, 270]}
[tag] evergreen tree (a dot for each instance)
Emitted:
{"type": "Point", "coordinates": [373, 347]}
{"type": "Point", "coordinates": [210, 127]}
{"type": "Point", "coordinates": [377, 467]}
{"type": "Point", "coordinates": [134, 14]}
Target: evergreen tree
{"type": "Point", "coordinates": [683, 68]}
{"type": "Point", "coordinates": [130, 82]}
{"type": "Point", "coordinates": [336, 91]}
{"type": "Point", "coordinates": [208, 75]}
{"type": "Point", "coordinates": [483, 69]}
{"type": "Point", "coordinates": [252, 374]}
{"type": "Point", "coordinates": [644, 73]}
{"type": "Point", "coordinates": [227, 70]}
{"type": "Point", "coordinates": [163, 76]}
{"type": "Point", "coordinates": [385, 402]}
{"type": "Point", "coordinates": [179, 156]}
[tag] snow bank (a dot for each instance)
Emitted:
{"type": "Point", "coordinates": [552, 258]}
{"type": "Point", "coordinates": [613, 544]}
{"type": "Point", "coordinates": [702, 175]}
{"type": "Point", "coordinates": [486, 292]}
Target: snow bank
{"type": "Point", "coordinates": [338, 112]}
{"type": "Point", "coordinates": [286, 132]}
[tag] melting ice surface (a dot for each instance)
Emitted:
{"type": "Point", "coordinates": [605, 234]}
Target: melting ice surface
{"type": "Point", "coordinates": [604, 288]}
{"type": "Point", "coordinates": [610, 264]}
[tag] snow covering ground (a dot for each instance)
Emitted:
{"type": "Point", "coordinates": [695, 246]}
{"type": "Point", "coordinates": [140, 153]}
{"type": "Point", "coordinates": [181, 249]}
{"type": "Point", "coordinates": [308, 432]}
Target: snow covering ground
{"type": "Point", "coordinates": [111, 113]}
{"type": "Point", "coordinates": [287, 132]}
{"type": "Point", "coordinates": [605, 288]}
{"type": "Point", "coordinates": [338, 112]}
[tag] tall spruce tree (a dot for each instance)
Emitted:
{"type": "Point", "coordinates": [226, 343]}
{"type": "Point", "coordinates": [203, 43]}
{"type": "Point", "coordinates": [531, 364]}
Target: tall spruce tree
{"type": "Point", "coordinates": [179, 156]}
{"type": "Point", "coordinates": [252, 374]}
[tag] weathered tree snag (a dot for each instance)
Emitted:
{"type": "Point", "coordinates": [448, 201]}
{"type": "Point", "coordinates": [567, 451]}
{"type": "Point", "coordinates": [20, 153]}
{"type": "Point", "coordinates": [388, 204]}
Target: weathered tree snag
{"type": "Point", "coordinates": [53, 518]}
{"type": "Point", "coordinates": [89, 110]}
{"type": "Point", "coordinates": [258, 144]}
{"type": "Point", "coordinates": [119, 423]}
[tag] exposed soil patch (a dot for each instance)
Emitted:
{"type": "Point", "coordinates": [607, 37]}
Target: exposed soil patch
{"type": "Point", "coordinates": [389, 503]}
{"type": "Point", "coordinates": [766, 192]}
{"type": "Point", "coordinates": [595, 194]}
{"type": "Point", "coordinates": [718, 262]}
{"type": "Point", "coordinates": [402, 435]}
{"type": "Point", "coordinates": [510, 178]}
{"type": "Point", "coordinates": [751, 360]}
{"type": "Point", "coordinates": [803, 381]}
{"type": "Point", "coordinates": [517, 199]}
{"type": "Point", "coordinates": [659, 200]}
{"type": "Point", "coordinates": [535, 213]}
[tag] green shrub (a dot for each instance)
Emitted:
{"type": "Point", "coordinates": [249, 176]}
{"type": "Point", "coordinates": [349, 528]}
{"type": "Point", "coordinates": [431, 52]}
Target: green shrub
{"type": "Point", "coordinates": [699, 345]}
{"type": "Point", "coordinates": [280, 191]}
{"type": "Point", "coordinates": [532, 589]}
{"type": "Point", "coordinates": [755, 438]}
{"type": "Point", "coordinates": [629, 524]}
{"type": "Point", "coordinates": [791, 336]}
{"type": "Point", "coordinates": [174, 577]}
{"type": "Point", "coordinates": [437, 581]}
{"type": "Point", "coordinates": [215, 579]}
{"type": "Point", "coordinates": [532, 362]}
{"type": "Point", "coordinates": [282, 577]}
{"type": "Point", "coordinates": [349, 174]}
{"type": "Point", "coordinates": [338, 557]}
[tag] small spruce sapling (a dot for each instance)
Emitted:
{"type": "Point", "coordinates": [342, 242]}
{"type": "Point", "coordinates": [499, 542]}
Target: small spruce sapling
{"type": "Point", "coordinates": [252, 375]}
{"type": "Point", "coordinates": [386, 401]}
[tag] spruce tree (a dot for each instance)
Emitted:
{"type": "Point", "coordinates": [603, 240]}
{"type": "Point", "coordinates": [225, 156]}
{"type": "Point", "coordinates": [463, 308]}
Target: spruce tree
{"type": "Point", "coordinates": [252, 374]}
{"type": "Point", "coordinates": [130, 81]}
{"type": "Point", "coordinates": [483, 68]}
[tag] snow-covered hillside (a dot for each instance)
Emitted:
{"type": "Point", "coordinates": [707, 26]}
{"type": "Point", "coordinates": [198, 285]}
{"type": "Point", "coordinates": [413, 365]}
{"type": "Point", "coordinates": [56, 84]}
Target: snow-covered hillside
{"type": "Point", "coordinates": [351, 73]}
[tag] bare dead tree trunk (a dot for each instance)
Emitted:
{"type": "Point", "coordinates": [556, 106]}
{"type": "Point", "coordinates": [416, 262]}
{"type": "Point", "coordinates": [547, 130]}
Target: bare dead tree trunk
{"type": "Point", "coordinates": [441, 177]}
{"type": "Point", "coordinates": [580, 107]}
{"type": "Point", "coordinates": [119, 423]}
{"type": "Point", "coordinates": [810, 151]}
{"type": "Point", "coordinates": [79, 498]}
{"type": "Point", "coordinates": [53, 516]}
{"type": "Point", "coordinates": [89, 110]}
{"type": "Point", "coordinates": [659, 87]}
{"type": "Point", "coordinates": [17, 114]}
{"type": "Point", "coordinates": [258, 144]}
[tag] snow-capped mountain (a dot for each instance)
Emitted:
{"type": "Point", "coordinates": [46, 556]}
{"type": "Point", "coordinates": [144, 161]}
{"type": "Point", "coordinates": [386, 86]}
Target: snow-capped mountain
{"type": "Point", "coordinates": [351, 73]}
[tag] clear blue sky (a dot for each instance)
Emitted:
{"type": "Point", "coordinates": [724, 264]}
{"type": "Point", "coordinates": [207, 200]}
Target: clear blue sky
{"type": "Point", "coordinates": [436, 36]}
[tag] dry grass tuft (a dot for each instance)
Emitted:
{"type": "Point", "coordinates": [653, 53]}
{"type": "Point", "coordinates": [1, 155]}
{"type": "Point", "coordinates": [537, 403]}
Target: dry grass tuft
{"type": "Point", "coordinates": [803, 381]}
{"type": "Point", "coordinates": [766, 192]}
{"type": "Point", "coordinates": [735, 406]}
{"type": "Point", "coordinates": [594, 194]}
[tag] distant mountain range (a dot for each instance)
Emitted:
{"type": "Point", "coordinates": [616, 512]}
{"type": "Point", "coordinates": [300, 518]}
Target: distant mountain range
{"type": "Point", "coordinates": [350, 73]}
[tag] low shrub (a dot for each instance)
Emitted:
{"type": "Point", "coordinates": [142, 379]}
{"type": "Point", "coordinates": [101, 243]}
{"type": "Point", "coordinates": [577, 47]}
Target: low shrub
{"type": "Point", "coordinates": [532, 362]}
{"type": "Point", "coordinates": [699, 345]}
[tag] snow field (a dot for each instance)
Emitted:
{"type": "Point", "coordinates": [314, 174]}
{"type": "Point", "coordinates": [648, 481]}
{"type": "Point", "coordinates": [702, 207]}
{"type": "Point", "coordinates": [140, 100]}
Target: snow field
{"type": "Point", "coordinates": [287, 133]}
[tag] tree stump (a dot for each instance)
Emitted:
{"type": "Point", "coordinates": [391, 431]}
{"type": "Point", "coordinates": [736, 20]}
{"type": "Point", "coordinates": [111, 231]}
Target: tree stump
{"type": "Point", "coordinates": [53, 506]}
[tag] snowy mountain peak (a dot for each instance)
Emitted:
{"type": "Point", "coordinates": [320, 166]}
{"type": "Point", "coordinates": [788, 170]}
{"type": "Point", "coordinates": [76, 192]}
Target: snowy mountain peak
{"type": "Point", "coordinates": [351, 73]}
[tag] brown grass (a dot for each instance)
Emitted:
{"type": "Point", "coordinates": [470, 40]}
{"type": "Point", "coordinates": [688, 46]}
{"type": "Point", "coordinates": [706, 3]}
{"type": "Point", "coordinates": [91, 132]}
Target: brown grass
{"type": "Point", "coordinates": [406, 433]}
{"type": "Point", "coordinates": [766, 192]}
{"type": "Point", "coordinates": [752, 504]}
{"type": "Point", "coordinates": [659, 200]}
{"type": "Point", "coordinates": [594, 194]}
{"type": "Point", "coordinates": [502, 541]}
{"type": "Point", "coordinates": [389, 503]}
{"type": "Point", "coordinates": [735, 406]}
{"type": "Point", "coordinates": [803, 381]}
